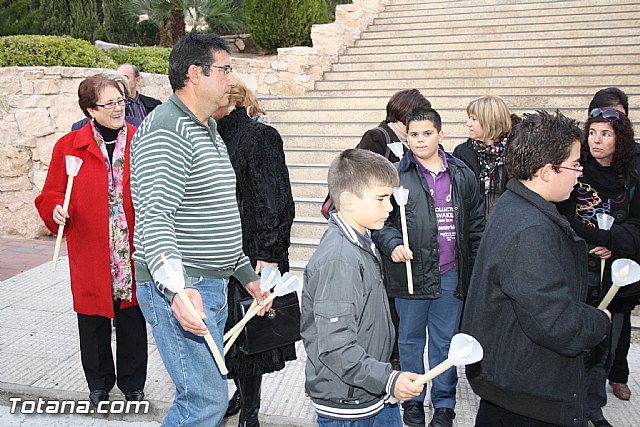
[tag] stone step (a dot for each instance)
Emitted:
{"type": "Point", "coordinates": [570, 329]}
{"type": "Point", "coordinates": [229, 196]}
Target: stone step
{"type": "Point", "coordinates": [314, 156]}
{"type": "Point", "coordinates": [459, 72]}
{"type": "Point", "coordinates": [449, 115]}
{"type": "Point", "coordinates": [616, 44]}
{"type": "Point", "coordinates": [321, 103]}
{"type": "Point", "coordinates": [309, 227]}
{"type": "Point", "coordinates": [302, 248]}
{"type": "Point", "coordinates": [294, 140]}
{"type": "Point", "coordinates": [309, 206]}
{"type": "Point", "coordinates": [505, 82]}
{"type": "Point", "coordinates": [462, 23]}
{"type": "Point", "coordinates": [524, 53]}
{"type": "Point", "coordinates": [490, 37]}
{"type": "Point", "coordinates": [446, 13]}
{"type": "Point", "coordinates": [308, 171]}
{"type": "Point", "coordinates": [476, 91]}
{"type": "Point", "coordinates": [474, 6]}
{"type": "Point", "coordinates": [309, 188]}
{"type": "Point", "coordinates": [437, 65]}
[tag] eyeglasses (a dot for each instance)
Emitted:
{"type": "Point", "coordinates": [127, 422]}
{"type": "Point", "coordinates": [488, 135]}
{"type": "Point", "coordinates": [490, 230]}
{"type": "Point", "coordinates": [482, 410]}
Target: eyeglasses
{"type": "Point", "coordinates": [578, 169]}
{"type": "Point", "coordinates": [228, 69]}
{"type": "Point", "coordinates": [609, 115]}
{"type": "Point", "coordinates": [112, 105]}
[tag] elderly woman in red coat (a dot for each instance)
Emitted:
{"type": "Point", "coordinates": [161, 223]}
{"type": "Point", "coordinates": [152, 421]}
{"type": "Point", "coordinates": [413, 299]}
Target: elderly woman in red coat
{"type": "Point", "coordinates": [99, 232]}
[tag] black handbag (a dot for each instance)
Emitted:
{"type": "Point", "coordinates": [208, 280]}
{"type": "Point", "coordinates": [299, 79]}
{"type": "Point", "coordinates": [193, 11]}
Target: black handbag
{"type": "Point", "coordinates": [279, 326]}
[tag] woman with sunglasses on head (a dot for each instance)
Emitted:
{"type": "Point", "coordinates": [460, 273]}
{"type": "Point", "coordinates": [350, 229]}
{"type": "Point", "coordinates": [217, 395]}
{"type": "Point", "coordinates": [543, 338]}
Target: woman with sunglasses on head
{"type": "Point", "coordinates": [609, 184]}
{"type": "Point", "coordinates": [98, 226]}
{"type": "Point", "coordinates": [489, 123]}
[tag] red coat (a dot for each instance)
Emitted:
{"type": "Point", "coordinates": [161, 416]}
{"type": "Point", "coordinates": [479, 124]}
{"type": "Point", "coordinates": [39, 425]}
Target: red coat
{"type": "Point", "coordinates": [87, 228]}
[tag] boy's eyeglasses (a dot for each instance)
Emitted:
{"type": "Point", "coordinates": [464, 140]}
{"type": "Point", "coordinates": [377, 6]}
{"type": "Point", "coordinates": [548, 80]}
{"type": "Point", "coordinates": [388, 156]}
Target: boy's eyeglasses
{"type": "Point", "coordinates": [228, 69]}
{"type": "Point", "coordinates": [609, 115]}
{"type": "Point", "coordinates": [112, 105]}
{"type": "Point", "coordinates": [578, 169]}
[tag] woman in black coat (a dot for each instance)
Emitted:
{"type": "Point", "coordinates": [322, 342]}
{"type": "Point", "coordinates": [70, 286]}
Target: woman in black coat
{"type": "Point", "coordinates": [266, 211]}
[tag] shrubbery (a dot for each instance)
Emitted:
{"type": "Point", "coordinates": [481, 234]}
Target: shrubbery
{"type": "Point", "coordinates": [282, 23]}
{"type": "Point", "coordinates": [51, 50]}
{"type": "Point", "coordinates": [147, 59]}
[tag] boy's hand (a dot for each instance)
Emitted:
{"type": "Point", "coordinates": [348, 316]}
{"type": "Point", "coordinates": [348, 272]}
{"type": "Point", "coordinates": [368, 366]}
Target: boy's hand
{"type": "Point", "coordinates": [404, 388]}
{"type": "Point", "coordinates": [401, 254]}
{"type": "Point", "coordinates": [601, 252]}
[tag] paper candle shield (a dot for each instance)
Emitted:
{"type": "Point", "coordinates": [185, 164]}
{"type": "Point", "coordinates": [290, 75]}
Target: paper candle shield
{"type": "Point", "coordinates": [170, 275]}
{"type": "Point", "coordinates": [269, 277]}
{"type": "Point", "coordinates": [401, 195]}
{"type": "Point", "coordinates": [396, 148]}
{"type": "Point", "coordinates": [604, 221]}
{"type": "Point", "coordinates": [464, 350]}
{"type": "Point", "coordinates": [624, 272]}
{"type": "Point", "coordinates": [73, 164]}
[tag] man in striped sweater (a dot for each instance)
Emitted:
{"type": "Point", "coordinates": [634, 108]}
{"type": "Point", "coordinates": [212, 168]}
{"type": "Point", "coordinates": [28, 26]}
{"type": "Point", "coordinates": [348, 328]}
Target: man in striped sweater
{"type": "Point", "coordinates": [184, 194]}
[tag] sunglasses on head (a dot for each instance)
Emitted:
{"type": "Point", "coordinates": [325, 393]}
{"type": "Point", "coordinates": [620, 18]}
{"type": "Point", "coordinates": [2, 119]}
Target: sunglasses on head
{"type": "Point", "coordinates": [609, 115]}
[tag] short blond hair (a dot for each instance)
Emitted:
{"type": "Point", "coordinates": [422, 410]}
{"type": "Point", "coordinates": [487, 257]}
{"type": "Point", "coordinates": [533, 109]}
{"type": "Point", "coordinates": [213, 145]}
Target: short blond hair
{"type": "Point", "coordinates": [241, 96]}
{"type": "Point", "coordinates": [493, 114]}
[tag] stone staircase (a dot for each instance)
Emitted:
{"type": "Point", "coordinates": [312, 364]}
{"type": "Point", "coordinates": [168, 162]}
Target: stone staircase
{"type": "Point", "coordinates": [536, 54]}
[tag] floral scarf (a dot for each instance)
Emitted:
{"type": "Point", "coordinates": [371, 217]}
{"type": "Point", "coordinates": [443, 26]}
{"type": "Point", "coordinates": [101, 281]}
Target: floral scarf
{"type": "Point", "coordinates": [490, 157]}
{"type": "Point", "coordinates": [121, 280]}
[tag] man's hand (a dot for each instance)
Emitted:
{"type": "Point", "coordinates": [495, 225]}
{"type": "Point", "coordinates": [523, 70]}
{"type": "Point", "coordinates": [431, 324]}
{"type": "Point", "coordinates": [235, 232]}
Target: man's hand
{"type": "Point", "coordinates": [260, 265]}
{"type": "Point", "coordinates": [601, 252]}
{"type": "Point", "coordinates": [254, 290]}
{"type": "Point", "coordinates": [401, 254]}
{"type": "Point", "coordinates": [404, 388]}
{"type": "Point", "coordinates": [188, 322]}
{"type": "Point", "coordinates": [59, 215]}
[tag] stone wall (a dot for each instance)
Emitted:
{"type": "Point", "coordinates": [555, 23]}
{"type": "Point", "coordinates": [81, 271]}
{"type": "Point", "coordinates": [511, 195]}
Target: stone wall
{"type": "Point", "coordinates": [38, 105]}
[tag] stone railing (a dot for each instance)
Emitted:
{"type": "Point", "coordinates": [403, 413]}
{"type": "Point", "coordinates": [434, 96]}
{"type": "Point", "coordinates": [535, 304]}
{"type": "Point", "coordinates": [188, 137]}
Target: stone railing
{"type": "Point", "coordinates": [297, 68]}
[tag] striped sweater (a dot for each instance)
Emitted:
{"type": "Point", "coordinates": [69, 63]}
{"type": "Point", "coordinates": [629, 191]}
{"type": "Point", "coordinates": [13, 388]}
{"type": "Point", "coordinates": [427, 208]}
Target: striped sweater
{"type": "Point", "coordinates": [184, 195]}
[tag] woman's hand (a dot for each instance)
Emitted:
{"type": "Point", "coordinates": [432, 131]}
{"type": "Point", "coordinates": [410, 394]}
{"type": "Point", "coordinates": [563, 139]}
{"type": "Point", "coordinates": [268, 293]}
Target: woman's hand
{"type": "Point", "coordinates": [260, 265]}
{"type": "Point", "coordinates": [59, 215]}
{"type": "Point", "coordinates": [601, 252]}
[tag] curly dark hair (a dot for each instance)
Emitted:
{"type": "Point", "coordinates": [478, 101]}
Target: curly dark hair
{"type": "Point", "coordinates": [624, 155]}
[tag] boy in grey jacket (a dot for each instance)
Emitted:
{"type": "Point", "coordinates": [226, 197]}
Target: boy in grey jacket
{"type": "Point", "coordinates": [346, 326]}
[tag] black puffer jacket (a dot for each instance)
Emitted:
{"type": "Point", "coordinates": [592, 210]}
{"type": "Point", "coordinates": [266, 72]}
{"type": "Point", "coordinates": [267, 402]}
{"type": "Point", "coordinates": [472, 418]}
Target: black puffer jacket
{"type": "Point", "coordinates": [423, 231]}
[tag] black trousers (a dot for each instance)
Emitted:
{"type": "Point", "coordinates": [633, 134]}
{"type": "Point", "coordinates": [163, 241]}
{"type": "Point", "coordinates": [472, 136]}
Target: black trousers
{"type": "Point", "coordinates": [619, 372]}
{"type": "Point", "coordinates": [131, 350]}
{"type": "Point", "coordinates": [490, 415]}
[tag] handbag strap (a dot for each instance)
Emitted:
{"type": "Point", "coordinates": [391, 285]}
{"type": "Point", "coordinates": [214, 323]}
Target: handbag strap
{"type": "Point", "coordinates": [387, 139]}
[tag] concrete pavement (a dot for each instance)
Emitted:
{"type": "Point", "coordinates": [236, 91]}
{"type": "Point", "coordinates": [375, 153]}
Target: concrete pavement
{"type": "Point", "coordinates": [39, 358]}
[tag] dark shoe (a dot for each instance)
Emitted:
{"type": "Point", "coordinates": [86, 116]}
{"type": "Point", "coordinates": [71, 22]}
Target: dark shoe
{"type": "Point", "coordinates": [134, 395]}
{"type": "Point", "coordinates": [234, 405]}
{"type": "Point", "coordinates": [395, 364]}
{"type": "Point", "coordinates": [601, 423]}
{"type": "Point", "coordinates": [97, 396]}
{"type": "Point", "coordinates": [250, 401]}
{"type": "Point", "coordinates": [621, 390]}
{"type": "Point", "coordinates": [443, 417]}
{"type": "Point", "coordinates": [413, 415]}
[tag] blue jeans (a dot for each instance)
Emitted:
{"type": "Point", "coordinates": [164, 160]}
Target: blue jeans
{"type": "Point", "coordinates": [201, 391]}
{"type": "Point", "coordinates": [388, 417]}
{"type": "Point", "coordinates": [442, 318]}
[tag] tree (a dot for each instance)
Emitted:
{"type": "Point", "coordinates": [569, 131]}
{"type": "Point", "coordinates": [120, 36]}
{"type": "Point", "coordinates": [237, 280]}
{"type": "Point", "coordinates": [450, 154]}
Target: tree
{"type": "Point", "coordinates": [281, 23]}
{"type": "Point", "coordinates": [119, 22]}
{"type": "Point", "coordinates": [84, 19]}
{"type": "Point", "coordinates": [55, 17]}
{"type": "Point", "coordinates": [19, 17]}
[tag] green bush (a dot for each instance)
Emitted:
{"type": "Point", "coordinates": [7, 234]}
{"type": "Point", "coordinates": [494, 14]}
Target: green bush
{"type": "Point", "coordinates": [283, 23]}
{"type": "Point", "coordinates": [51, 50]}
{"type": "Point", "coordinates": [148, 33]}
{"type": "Point", "coordinates": [147, 59]}
{"type": "Point", "coordinates": [19, 17]}
{"type": "Point", "coordinates": [56, 17]}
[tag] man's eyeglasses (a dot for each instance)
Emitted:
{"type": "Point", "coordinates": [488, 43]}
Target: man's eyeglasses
{"type": "Point", "coordinates": [578, 169]}
{"type": "Point", "coordinates": [112, 105]}
{"type": "Point", "coordinates": [609, 115]}
{"type": "Point", "coordinates": [228, 69]}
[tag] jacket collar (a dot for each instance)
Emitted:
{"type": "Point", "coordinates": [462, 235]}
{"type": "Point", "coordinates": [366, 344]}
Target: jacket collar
{"type": "Point", "coordinates": [352, 235]}
{"type": "Point", "coordinates": [404, 164]}
{"type": "Point", "coordinates": [547, 208]}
